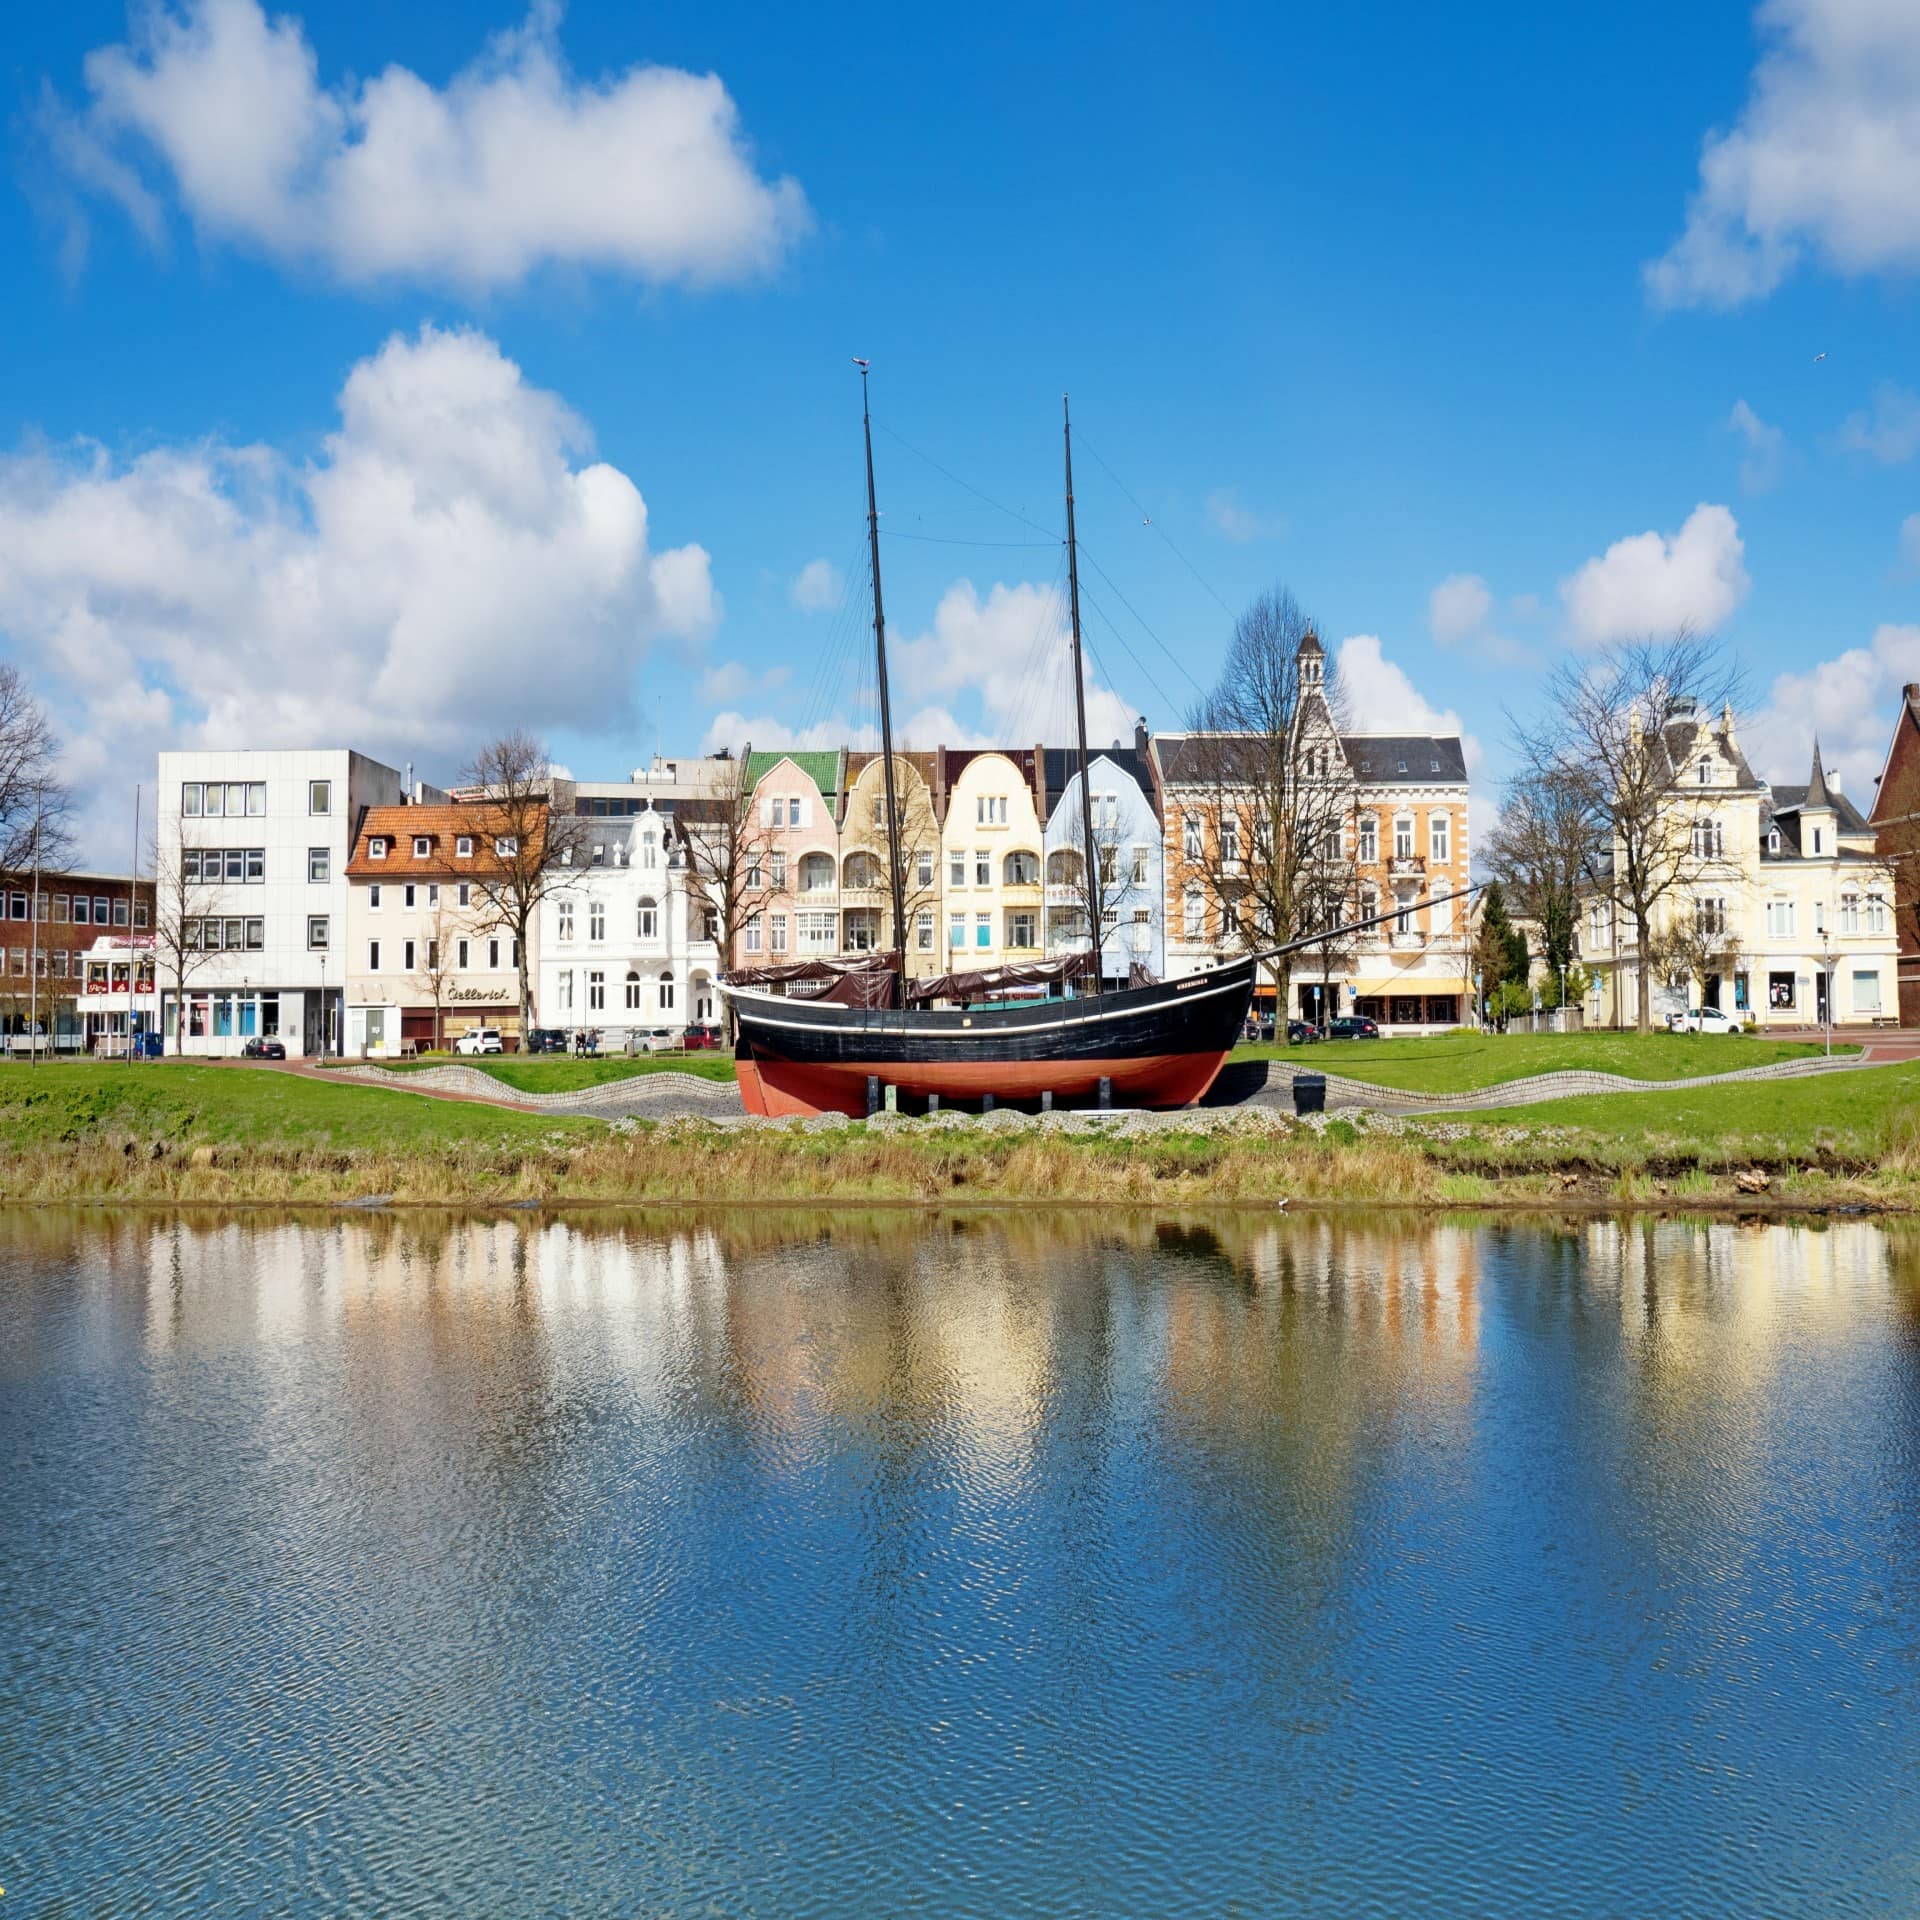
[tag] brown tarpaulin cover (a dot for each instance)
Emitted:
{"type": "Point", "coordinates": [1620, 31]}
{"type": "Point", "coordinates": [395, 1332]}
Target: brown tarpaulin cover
{"type": "Point", "coordinates": [861, 980]}
{"type": "Point", "coordinates": [990, 982]}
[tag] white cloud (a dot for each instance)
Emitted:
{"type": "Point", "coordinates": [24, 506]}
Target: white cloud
{"type": "Point", "coordinates": [731, 680]}
{"type": "Point", "coordinates": [1890, 432]}
{"type": "Point", "coordinates": [1381, 697]}
{"type": "Point", "coordinates": [1239, 522]}
{"type": "Point", "coordinates": [1459, 612]}
{"type": "Point", "coordinates": [989, 671]}
{"type": "Point", "coordinates": [817, 587]}
{"type": "Point", "coordinates": [449, 565]}
{"type": "Point", "coordinates": [1766, 456]}
{"type": "Point", "coordinates": [1848, 702]}
{"type": "Point", "coordinates": [1825, 158]}
{"type": "Point", "coordinates": [1458, 607]}
{"type": "Point", "coordinates": [513, 165]}
{"type": "Point", "coordinates": [1652, 583]}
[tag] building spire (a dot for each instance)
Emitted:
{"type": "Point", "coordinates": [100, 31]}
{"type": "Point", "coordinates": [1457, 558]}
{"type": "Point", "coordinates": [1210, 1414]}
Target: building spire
{"type": "Point", "coordinates": [1817, 795]}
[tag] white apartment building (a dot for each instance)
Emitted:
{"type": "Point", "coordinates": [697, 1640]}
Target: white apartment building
{"type": "Point", "coordinates": [253, 849]}
{"type": "Point", "coordinates": [625, 948]}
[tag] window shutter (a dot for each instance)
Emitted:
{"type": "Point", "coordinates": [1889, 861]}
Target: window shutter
{"type": "Point", "coordinates": [806, 810]}
{"type": "Point", "coordinates": [766, 813]}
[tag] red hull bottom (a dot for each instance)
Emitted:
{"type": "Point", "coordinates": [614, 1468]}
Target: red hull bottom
{"type": "Point", "coordinates": [782, 1087]}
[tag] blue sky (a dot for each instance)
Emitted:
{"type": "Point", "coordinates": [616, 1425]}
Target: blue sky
{"type": "Point", "coordinates": [343, 347]}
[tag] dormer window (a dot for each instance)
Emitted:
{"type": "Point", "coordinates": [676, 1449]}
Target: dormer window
{"type": "Point", "coordinates": [506, 846]}
{"type": "Point", "coordinates": [377, 848]}
{"type": "Point", "coordinates": [1816, 839]}
{"type": "Point", "coordinates": [1366, 766]}
{"type": "Point", "coordinates": [1436, 766]}
{"type": "Point", "coordinates": [422, 845]}
{"type": "Point", "coordinates": [1773, 840]}
{"type": "Point", "coordinates": [463, 847]}
{"type": "Point", "coordinates": [1400, 766]}
{"type": "Point", "coordinates": [1706, 771]}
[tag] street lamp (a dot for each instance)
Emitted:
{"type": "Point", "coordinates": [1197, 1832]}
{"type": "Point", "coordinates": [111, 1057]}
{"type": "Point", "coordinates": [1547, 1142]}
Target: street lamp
{"type": "Point", "coordinates": [1827, 959]}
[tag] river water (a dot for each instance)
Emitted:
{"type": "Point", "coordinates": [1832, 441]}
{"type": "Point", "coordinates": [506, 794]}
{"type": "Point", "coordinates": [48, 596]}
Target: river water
{"type": "Point", "coordinates": [1040, 1564]}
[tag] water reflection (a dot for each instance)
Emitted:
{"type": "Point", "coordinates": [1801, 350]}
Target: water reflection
{"type": "Point", "coordinates": [1072, 1562]}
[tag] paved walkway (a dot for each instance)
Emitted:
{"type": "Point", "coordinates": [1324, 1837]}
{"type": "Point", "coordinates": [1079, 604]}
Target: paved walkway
{"type": "Point", "coordinates": [1248, 1083]}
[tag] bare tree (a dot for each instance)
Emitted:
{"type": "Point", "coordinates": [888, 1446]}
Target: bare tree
{"type": "Point", "coordinates": [729, 867]}
{"type": "Point", "coordinates": [1691, 949]}
{"type": "Point", "coordinates": [919, 855]}
{"type": "Point", "coordinates": [1123, 881]}
{"type": "Point", "coordinates": [521, 813]}
{"type": "Point", "coordinates": [1549, 837]}
{"type": "Point", "coordinates": [436, 969]}
{"type": "Point", "coordinates": [35, 808]}
{"type": "Point", "coordinates": [181, 903]}
{"type": "Point", "coordinates": [1278, 788]}
{"type": "Point", "coordinates": [1618, 726]}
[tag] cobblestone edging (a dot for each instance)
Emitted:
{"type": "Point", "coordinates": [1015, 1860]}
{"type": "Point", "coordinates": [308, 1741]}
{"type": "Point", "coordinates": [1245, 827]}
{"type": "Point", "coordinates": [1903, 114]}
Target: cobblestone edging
{"type": "Point", "coordinates": [1565, 1084]}
{"type": "Point", "coordinates": [1244, 1089]}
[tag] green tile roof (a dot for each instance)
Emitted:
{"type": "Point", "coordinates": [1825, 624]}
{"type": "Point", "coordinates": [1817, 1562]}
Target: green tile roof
{"type": "Point", "coordinates": [821, 766]}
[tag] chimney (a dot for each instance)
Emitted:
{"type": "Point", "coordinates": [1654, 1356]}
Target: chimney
{"type": "Point", "coordinates": [1911, 693]}
{"type": "Point", "coordinates": [1040, 782]}
{"type": "Point", "coordinates": [1140, 736]}
{"type": "Point", "coordinates": [1833, 779]}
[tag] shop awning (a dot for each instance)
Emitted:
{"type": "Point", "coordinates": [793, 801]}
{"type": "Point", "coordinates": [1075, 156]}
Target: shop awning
{"type": "Point", "coordinates": [1407, 985]}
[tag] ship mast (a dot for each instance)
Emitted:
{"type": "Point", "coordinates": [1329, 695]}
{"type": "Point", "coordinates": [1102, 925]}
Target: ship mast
{"type": "Point", "coordinates": [894, 874]}
{"type": "Point", "coordinates": [1094, 930]}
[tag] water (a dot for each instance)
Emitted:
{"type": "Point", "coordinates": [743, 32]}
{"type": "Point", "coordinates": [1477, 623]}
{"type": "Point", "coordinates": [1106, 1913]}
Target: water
{"type": "Point", "coordinates": [1017, 1564]}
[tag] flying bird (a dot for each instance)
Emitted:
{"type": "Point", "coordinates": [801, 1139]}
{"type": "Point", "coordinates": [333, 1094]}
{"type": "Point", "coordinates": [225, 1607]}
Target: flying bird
{"type": "Point", "coordinates": [1818, 357]}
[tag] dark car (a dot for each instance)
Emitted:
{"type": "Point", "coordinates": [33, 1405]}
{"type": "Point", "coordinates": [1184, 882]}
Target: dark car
{"type": "Point", "coordinates": [1351, 1026]}
{"type": "Point", "coordinates": [546, 1039]}
{"type": "Point", "coordinates": [1300, 1032]}
{"type": "Point", "coordinates": [263, 1050]}
{"type": "Point", "coordinates": [705, 1038]}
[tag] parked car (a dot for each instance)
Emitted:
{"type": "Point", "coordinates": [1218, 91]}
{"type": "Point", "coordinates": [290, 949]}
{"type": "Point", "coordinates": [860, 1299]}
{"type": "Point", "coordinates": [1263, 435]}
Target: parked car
{"type": "Point", "coordinates": [263, 1050]}
{"type": "Point", "coordinates": [654, 1040]}
{"type": "Point", "coordinates": [1352, 1026]}
{"type": "Point", "coordinates": [546, 1039]}
{"type": "Point", "coordinates": [1300, 1032]}
{"type": "Point", "coordinates": [707, 1038]}
{"type": "Point", "coordinates": [1706, 1020]}
{"type": "Point", "coordinates": [480, 1040]}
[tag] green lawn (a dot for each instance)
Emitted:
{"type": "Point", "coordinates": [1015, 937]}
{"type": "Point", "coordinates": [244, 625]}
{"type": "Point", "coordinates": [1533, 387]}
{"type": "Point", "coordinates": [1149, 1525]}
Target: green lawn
{"type": "Point", "coordinates": [189, 1104]}
{"type": "Point", "coordinates": [561, 1073]}
{"type": "Point", "coordinates": [1459, 1062]}
{"type": "Point", "coordinates": [1873, 1114]}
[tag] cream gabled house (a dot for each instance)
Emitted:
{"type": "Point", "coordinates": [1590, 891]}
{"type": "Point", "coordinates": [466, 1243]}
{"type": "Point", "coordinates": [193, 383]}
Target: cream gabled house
{"type": "Point", "coordinates": [1784, 911]}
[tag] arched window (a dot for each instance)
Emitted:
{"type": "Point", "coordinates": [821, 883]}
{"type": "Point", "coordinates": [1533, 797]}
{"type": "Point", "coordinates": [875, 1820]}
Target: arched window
{"type": "Point", "coordinates": [1773, 840]}
{"type": "Point", "coordinates": [861, 870]}
{"type": "Point", "coordinates": [633, 991]}
{"type": "Point", "coordinates": [1403, 836]}
{"type": "Point", "coordinates": [1022, 869]}
{"type": "Point", "coordinates": [1064, 868]}
{"type": "Point", "coordinates": [1708, 838]}
{"type": "Point", "coordinates": [649, 849]}
{"type": "Point", "coordinates": [816, 873]}
{"type": "Point", "coordinates": [666, 993]}
{"type": "Point", "coordinates": [649, 918]}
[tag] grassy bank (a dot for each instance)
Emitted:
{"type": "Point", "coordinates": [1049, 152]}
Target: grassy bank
{"type": "Point", "coordinates": [183, 1133]}
{"type": "Point", "coordinates": [1465, 1061]}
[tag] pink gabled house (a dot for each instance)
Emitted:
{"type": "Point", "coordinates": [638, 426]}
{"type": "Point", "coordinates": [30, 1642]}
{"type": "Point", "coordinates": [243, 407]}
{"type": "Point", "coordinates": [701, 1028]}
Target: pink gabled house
{"type": "Point", "coordinates": [794, 797]}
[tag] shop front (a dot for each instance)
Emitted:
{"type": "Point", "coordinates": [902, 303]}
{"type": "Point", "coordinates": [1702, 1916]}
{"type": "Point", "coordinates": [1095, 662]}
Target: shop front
{"type": "Point", "coordinates": [1411, 1003]}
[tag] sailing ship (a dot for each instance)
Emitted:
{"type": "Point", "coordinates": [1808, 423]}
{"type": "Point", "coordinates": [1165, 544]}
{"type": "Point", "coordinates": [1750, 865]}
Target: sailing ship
{"type": "Point", "coordinates": [823, 1036]}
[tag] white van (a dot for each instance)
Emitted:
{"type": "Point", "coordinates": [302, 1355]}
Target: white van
{"type": "Point", "coordinates": [480, 1040]}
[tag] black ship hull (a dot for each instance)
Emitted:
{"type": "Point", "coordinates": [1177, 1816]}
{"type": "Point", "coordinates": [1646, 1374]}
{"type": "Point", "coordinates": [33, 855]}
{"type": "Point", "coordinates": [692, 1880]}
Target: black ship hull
{"type": "Point", "coordinates": [1157, 1046]}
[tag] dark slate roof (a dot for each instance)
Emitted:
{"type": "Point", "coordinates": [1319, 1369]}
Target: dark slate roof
{"type": "Point", "coordinates": [1409, 757]}
{"type": "Point", "coordinates": [1789, 800]}
{"type": "Point", "coordinates": [1376, 758]}
{"type": "Point", "coordinates": [1063, 767]}
{"type": "Point", "coordinates": [1679, 740]}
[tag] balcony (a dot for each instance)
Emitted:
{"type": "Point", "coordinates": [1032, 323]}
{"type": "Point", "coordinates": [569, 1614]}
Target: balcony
{"type": "Point", "coordinates": [1406, 942]}
{"type": "Point", "coordinates": [1406, 866]}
